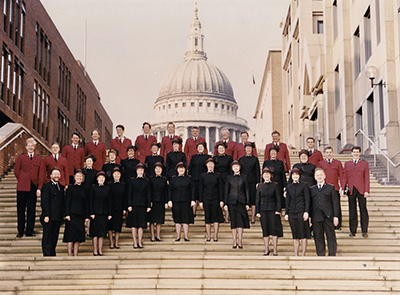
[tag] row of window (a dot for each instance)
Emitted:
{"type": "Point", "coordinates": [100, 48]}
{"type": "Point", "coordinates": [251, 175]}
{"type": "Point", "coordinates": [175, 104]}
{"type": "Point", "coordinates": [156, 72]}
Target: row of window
{"type": "Point", "coordinates": [192, 104]}
{"type": "Point", "coordinates": [14, 21]}
{"type": "Point", "coordinates": [98, 123]}
{"type": "Point", "coordinates": [41, 107]}
{"type": "Point", "coordinates": [11, 80]}
{"type": "Point", "coordinates": [80, 106]}
{"type": "Point", "coordinates": [64, 83]}
{"type": "Point", "coordinates": [42, 54]}
{"type": "Point", "coordinates": [62, 129]}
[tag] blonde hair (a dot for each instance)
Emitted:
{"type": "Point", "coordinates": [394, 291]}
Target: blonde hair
{"type": "Point", "coordinates": [32, 141]}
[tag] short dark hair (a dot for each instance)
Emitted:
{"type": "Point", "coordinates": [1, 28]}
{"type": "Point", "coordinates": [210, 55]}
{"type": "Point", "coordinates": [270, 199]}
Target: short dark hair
{"type": "Point", "coordinates": [120, 126]}
{"type": "Point", "coordinates": [328, 148]}
{"type": "Point", "coordinates": [275, 132]}
{"type": "Point", "coordinates": [171, 123]}
{"type": "Point", "coordinates": [75, 133]}
{"type": "Point", "coordinates": [55, 169]}
{"type": "Point", "coordinates": [55, 143]}
{"type": "Point", "coordinates": [319, 169]}
{"type": "Point", "coordinates": [95, 129]}
{"type": "Point", "coordinates": [146, 123]}
{"type": "Point", "coordinates": [195, 127]}
{"type": "Point", "coordinates": [244, 132]}
{"type": "Point", "coordinates": [310, 137]}
{"type": "Point", "coordinates": [356, 147]}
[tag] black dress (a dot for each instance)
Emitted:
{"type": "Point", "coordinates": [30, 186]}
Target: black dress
{"type": "Point", "coordinates": [77, 207]}
{"type": "Point", "coordinates": [139, 198]}
{"type": "Point", "coordinates": [278, 175]}
{"type": "Point", "coordinates": [90, 177]}
{"type": "Point", "coordinates": [298, 202]}
{"type": "Point", "coordinates": [159, 195]}
{"type": "Point", "coordinates": [223, 165]}
{"type": "Point", "coordinates": [174, 158]}
{"type": "Point", "coordinates": [196, 168]}
{"type": "Point", "coordinates": [181, 194]}
{"type": "Point", "coordinates": [118, 205]}
{"type": "Point", "coordinates": [251, 168]}
{"type": "Point", "coordinates": [128, 169]}
{"type": "Point", "coordinates": [307, 173]}
{"type": "Point", "coordinates": [268, 202]}
{"type": "Point", "coordinates": [108, 168]}
{"type": "Point", "coordinates": [150, 161]}
{"type": "Point", "coordinates": [237, 197]}
{"type": "Point", "coordinates": [100, 206]}
{"type": "Point", "coordinates": [211, 193]}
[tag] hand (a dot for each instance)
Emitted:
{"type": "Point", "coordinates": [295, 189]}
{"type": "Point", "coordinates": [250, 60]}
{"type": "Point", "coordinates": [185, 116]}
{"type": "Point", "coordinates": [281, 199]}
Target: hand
{"type": "Point", "coordinates": [221, 204]}
{"type": "Point", "coordinates": [65, 188]}
{"type": "Point", "coordinates": [92, 216]}
{"type": "Point", "coordinates": [305, 216]}
{"type": "Point", "coordinates": [130, 209]}
{"type": "Point", "coordinates": [258, 215]}
{"type": "Point", "coordinates": [166, 206]}
{"type": "Point", "coordinates": [192, 203]}
{"type": "Point", "coordinates": [335, 221]}
{"type": "Point", "coordinates": [340, 191]}
{"type": "Point", "coordinates": [226, 207]}
{"type": "Point", "coordinates": [278, 213]}
{"type": "Point", "coordinates": [309, 222]}
{"type": "Point", "coordinates": [46, 219]}
{"type": "Point", "coordinates": [201, 205]}
{"type": "Point", "coordinates": [68, 218]}
{"type": "Point", "coordinates": [38, 193]}
{"type": "Point", "coordinates": [124, 212]}
{"type": "Point", "coordinates": [284, 194]}
{"type": "Point", "coordinates": [86, 220]}
{"type": "Point", "coordinates": [366, 195]}
{"type": "Point", "coordinates": [151, 204]}
{"type": "Point", "coordinates": [170, 204]}
{"type": "Point", "coordinates": [247, 207]}
{"type": "Point", "coordinates": [148, 209]}
{"type": "Point", "coordinates": [257, 185]}
{"type": "Point", "coordinates": [109, 217]}
{"type": "Point", "coordinates": [286, 217]}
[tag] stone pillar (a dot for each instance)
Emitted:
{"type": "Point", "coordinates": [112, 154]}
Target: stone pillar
{"type": "Point", "coordinates": [216, 134]}
{"type": "Point", "coordinates": [208, 136]}
{"type": "Point", "coordinates": [234, 135]}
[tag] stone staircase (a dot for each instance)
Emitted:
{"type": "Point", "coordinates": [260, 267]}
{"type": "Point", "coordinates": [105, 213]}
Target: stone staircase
{"type": "Point", "coordinates": [380, 171]}
{"type": "Point", "coordinates": [362, 265]}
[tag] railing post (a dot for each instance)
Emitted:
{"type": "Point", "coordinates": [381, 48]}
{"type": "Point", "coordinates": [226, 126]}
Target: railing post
{"type": "Point", "coordinates": [388, 172]}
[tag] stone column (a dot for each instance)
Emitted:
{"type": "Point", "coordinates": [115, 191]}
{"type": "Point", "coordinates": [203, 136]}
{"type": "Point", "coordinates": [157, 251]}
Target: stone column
{"type": "Point", "coordinates": [234, 135]}
{"type": "Point", "coordinates": [208, 136]}
{"type": "Point", "coordinates": [216, 134]}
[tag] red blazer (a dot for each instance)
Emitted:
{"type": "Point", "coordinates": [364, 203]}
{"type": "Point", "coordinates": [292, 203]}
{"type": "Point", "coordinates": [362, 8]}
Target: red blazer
{"type": "Point", "coordinates": [239, 151]}
{"type": "Point", "coordinates": [190, 147]}
{"type": "Point", "coordinates": [99, 151]}
{"type": "Point", "coordinates": [356, 176]}
{"type": "Point", "coordinates": [166, 146]}
{"type": "Point", "coordinates": [230, 150]}
{"type": "Point", "coordinates": [120, 147]}
{"type": "Point", "coordinates": [315, 158]}
{"type": "Point", "coordinates": [144, 147]}
{"type": "Point", "coordinates": [75, 158]}
{"type": "Point", "coordinates": [333, 172]}
{"type": "Point", "coordinates": [49, 163]}
{"type": "Point", "coordinates": [27, 171]}
{"type": "Point", "coordinates": [282, 155]}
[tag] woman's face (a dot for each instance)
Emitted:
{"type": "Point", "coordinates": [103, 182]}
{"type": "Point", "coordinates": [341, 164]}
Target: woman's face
{"type": "Point", "coordinates": [154, 149]}
{"type": "Point", "coordinates": [117, 176]}
{"type": "Point", "coordinates": [248, 150]}
{"type": "Point", "coordinates": [295, 177]}
{"type": "Point", "coordinates": [303, 158]}
{"type": "Point", "coordinates": [79, 178]}
{"type": "Point", "coordinates": [175, 146]}
{"type": "Point", "coordinates": [181, 170]}
{"type": "Point", "coordinates": [101, 179]}
{"type": "Point", "coordinates": [273, 153]}
{"type": "Point", "coordinates": [89, 163]}
{"type": "Point", "coordinates": [200, 148]}
{"type": "Point", "coordinates": [131, 153]}
{"type": "Point", "coordinates": [140, 172]}
{"type": "Point", "coordinates": [221, 149]}
{"type": "Point", "coordinates": [112, 157]}
{"type": "Point", "coordinates": [236, 168]}
{"type": "Point", "coordinates": [158, 170]}
{"type": "Point", "coordinates": [210, 166]}
{"type": "Point", "coordinates": [266, 176]}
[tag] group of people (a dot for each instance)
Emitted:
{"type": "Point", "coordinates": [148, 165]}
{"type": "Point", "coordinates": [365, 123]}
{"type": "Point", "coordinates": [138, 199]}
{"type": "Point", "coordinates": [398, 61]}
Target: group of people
{"type": "Point", "coordinates": [143, 179]}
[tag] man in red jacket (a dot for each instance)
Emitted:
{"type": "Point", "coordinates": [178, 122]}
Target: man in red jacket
{"type": "Point", "coordinates": [334, 173]}
{"type": "Point", "coordinates": [143, 142]}
{"type": "Point", "coordinates": [97, 149]}
{"type": "Point", "coordinates": [356, 186]}
{"type": "Point", "coordinates": [120, 143]}
{"type": "Point", "coordinates": [27, 171]}
{"type": "Point", "coordinates": [229, 143]}
{"type": "Point", "coordinates": [75, 156]}
{"type": "Point", "coordinates": [315, 156]}
{"type": "Point", "coordinates": [191, 144]}
{"type": "Point", "coordinates": [239, 148]}
{"type": "Point", "coordinates": [283, 153]}
{"type": "Point", "coordinates": [55, 160]}
{"type": "Point", "coordinates": [166, 142]}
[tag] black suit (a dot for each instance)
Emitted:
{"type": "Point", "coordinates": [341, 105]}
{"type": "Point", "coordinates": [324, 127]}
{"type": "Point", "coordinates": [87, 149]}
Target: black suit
{"type": "Point", "coordinates": [236, 190]}
{"type": "Point", "coordinates": [268, 198]}
{"type": "Point", "coordinates": [129, 168]}
{"type": "Point", "coordinates": [108, 169]}
{"type": "Point", "coordinates": [196, 168]}
{"type": "Point", "coordinates": [324, 206]}
{"type": "Point", "coordinates": [211, 187]}
{"type": "Point", "coordinates": [52, 203]}
{"type": "Point", "coordinates": [139, 193]}
{"type": "Point", "coordinates": [174, 158]}
{"type": "Point", "coordinates": [307, 173]}
{"type": "Point", "coordinates": [150, 161]}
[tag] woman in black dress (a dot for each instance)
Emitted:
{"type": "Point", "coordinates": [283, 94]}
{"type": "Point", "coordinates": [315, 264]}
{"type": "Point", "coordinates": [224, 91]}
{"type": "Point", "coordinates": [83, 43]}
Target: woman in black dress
{"type": "Point", "coordinates": [278, 171]}
{"type": "Point", "coordinates": [118, 207]}
{"type": "Point", "coordinates": [154, 158]}
{"type": "Point", "coordinates": [223, 166]}
{"type": "Point", "coordinates": [237, 202]}
{"type": "Point", "coordinates": [297, 210]}
{"type": "Point", "coordinates": [196, 168]}
{"type": "Point", "coordinates": [307, 169]}
{"type": "Point", "coordinates": [138, 200]}
{"type": "Point", "coordinates": [109, 167]}
{"type": "Point", "coordinates": [89, 180]}
{"type": "Point", "coordinates": [211, 198]}
{"type": "Point", "coordinates": [129, 164]}
{"type": "Point", "coordinates": [159, 195]}
{"type": "Point", "coordinates": [76, 212]}
{"type": "Point", "coordinates": [100, 213]}
{"type": "Point", "coordinates": [268, 206]}
{"type": "Point", "coordinates": [251, 168]}
{"type": "Point", "coordinates": [181, 199]}
{"type": "Point", "coordinates": [174, 157]}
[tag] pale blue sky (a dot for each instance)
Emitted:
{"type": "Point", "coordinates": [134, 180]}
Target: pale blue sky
{"type": "Point", "coordinates": [132, 44]}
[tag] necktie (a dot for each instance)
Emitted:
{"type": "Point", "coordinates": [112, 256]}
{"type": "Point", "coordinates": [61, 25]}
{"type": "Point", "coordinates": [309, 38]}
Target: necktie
{"type": "Point", "coordinates": [120, 140]}
{"type": "Point", "coordinates": [55, 158]}
{"type": "Point", "coordinates": [329, 161]}
{"type": "Point", "coordinates": [74, 147]}
{"type": "Point", "coordinates": [195, 139]}
{"type": "Point", "coordinates": [319, 186]}
{"type": "Point", "coordinates": [355, 163]}
{"type": "Point", "coordinates": [30, 156]}
{"type": "Point", "coordinates": [95, 144]}
{"type": "Point", "coordinates": [145, 137]}
{"type": "Point", "coordinates": [170, 137]}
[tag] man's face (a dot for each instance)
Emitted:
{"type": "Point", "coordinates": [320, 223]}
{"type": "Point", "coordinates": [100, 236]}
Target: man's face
{"type": "Point", "coordinates": [146, 129]}
{"type": "Point", "coordinates": [319, 176]}
{"type": "Point", "coordinates": [95, 135]}
{"type": "Point", "coordinates": [356, 154]}
{"type": "Point", "coordinates": [171, 129]}
{"type": "Point", "coordinates": [328, 154]}
{"type": "Point", "coordinates": [120, 132]}
{"type": "Point", "coordinates": [225, 134]}
{"type": "Point", "coordinates": [55, 175]}
{"type": "Point", "coordinates": [75, 139]}
{"type": "Point", "coordinates": [276, 137]}
{"type": "Point", "coordinates": [30, 148]}
{"type": "Point", "coordinates": [195, 132]}
{"type": "Point", "coordinates": [55, 149]}
{"type": "Point", "coordinates": [310, 144]}
{"type": "Point", "coordinates": [244, 137]}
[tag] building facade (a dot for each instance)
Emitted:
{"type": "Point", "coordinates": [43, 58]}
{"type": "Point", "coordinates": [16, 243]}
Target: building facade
{"type": "Point", "coordinates": [42, 86]}
{"type": "Point", "coordinates": [197, 93]}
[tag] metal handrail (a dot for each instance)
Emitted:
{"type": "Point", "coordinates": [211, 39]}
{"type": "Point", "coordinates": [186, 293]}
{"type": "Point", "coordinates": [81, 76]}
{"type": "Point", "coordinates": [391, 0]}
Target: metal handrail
{"type": "Point", "coordinates": [11, 140]}
{"type": "Point", "coordinates": [388, 160]}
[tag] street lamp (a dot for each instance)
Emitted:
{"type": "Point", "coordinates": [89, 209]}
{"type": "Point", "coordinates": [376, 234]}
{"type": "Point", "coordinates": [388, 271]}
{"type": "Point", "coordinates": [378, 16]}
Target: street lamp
{"type": "Point", "coordinates": [371, 73]}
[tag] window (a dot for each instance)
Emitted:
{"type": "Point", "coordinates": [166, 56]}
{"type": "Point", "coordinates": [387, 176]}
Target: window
{"type": "Point", "coordinates": [98, 123]}
{"type": "Point", "coordinates": [11, 19]}
{"type": "Point", "coordinates": [216, 106]}
{"type": "Point", "coordinates": [41, 101]}
{"type": "Point", "coordinates": [370, 115]}
{"type": "Point", "coordinates": [108, 136]}
{"type": "Point", "coordinates": [222, 106]}
{"type": "Point", "coordinates": [357, 61]}
{"type": "Point", "coordinates": [200, 104]}
{"type": "Point", "coordinates": [43, 54]}
{"type": "Point", "coordinates": [4, 59]}
{"type": "Point", "coordinates": [183, 104]}
{"type": "Point", "coordinates": [22, 27]}
{"type": "Point", "coordinates": [176, 105]}
{"type": "Point", "coordinates": [378, 22]}
{"type": "Point", "coordinates": [163, 107]}
{"type": "Point", "coordinates": [228, 107]}
{"type": "Point", "coordinates": [335, 19]}
{"type": "Point", "coordinates": [318, 22]}
{"type": "Point", "coordinates": [339, 143]}
{"type": "Point", "coordinates": [367, 35]}
{"type": "Point", "coordinates": [381, 106]}
{"type": "Point", "coordinates": [9, 78]}
{"type": "Point", "coordinates": [337, 87]}
{"type": "Point", "coordinates": [208, 104]}
{"type": "Point", "coordinates": [289, 76]}
{"type": "Point", "coordinates": [64, 83]}
{"type": "Point", "coordinates": [80, 106]}
{"type": "Point", "coordinates": [62, 129]}
{"type": "Point", "coordinates": [320, 27]}
{"type": "Point", "coordinates": [5, 6]}
{"type": "Point", "coordinates": [37, 47]}
{"type": "Point", "coordinates": [291, 119]}
{"type": "Point", "coordinates": [195, 41]}
{"type": "Point", "coordinates": [169, 106]}
{"type": "Point", "coordinates": [34, 104]}
{"type": "Point", "coordinates": [192, 104]}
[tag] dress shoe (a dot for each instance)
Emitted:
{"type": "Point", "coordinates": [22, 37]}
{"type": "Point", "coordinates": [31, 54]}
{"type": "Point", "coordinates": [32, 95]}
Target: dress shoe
{"type": "Point", "coordinates": [101, 254]}
{"type": "Point", "coordinates": [30, 235]}
{"type": "Point", "coordinates": [365, 235]}
{"type": "Point", "coordinates": [187, 240]}
{"type": "Point", "coordinates": [158, 240]}
{"type": "Point", "coordinates": [208, 240]}
{"type": "Point", "coordinates": [95, 254]}
{"type": "Point", "coordinates": [266, 254]}
{"type": "Point", "coordinates": [215, 240]}
{"type": "Point", "coordinates": [240, 247]}
{"type": "Point", "coordinates": [234, 246]}
{"type": "Point", "coordinates": [152, 240]}
{"type": "Point", "coordinates": [140, 247]}
{"type": "Point", "coordinates": [352, 235]}
{"type": "Point", "coordinates": [135, 247]}
{"type": "Point", "coordinates": [253, 222]}
{"type": "Point", "coordinates": [177, 240]}
{"type": "Point", "coordinates": [19, 236]}
{"type": "Point", "coordinates": [117, 247]}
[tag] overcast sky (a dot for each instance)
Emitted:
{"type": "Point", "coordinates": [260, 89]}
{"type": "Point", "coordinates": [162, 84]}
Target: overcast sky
{"type": "Point", "coordinates": [133, 44]}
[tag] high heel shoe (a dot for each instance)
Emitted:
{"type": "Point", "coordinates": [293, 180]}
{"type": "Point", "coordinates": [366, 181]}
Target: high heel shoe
{"type": "Point", "coordinates": [177, 240]}
{"type": "Point", "coordinates": [187, 240]}
{"type": "Point", "coordinates": [266, 254]}
{"type": "Point", "coordinates": [158, 240]}
{"type": "Point", "coordinates": [234, 246]}
{"type": "Point", "coordinates": [240, 247]}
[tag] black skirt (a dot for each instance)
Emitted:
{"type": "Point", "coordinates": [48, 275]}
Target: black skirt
{"type": "Point", "coordinates": [238, 215]}
{"type": "Point", "coordinates": [252, 193]}
{"type": "Point", "coordinates": [271, 224]}
{"type": "Point", "coordinates": [300, 228]}
{"type": "Point", "coordinates": [137, 218]}
{"type": "Point", "coordinates": [75, 229]}
{"type": "Point", "coordinates": [98, 226]}
{"type": "Point", "coordinates": [115, 223]}
{"type": "Point", "coordinates": [212, 212]}
{"type": "Point", "coordinates": [157, 213]}
{"type": "Point", "coordinates": [182, 213]}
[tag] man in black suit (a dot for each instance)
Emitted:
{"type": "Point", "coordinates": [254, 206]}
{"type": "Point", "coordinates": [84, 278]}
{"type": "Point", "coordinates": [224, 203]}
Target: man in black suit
{"type": "Point", "coordinates": [324, 213]}
{"type": "Point", "coordinates": [52, 203]}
